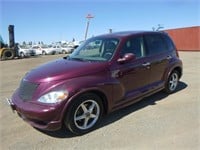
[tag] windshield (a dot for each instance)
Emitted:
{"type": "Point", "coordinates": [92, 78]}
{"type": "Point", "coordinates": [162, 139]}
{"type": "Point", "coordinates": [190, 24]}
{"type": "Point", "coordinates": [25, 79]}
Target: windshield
{"type": "Point", "coordinates": [45, 46]}
{"type": "Point", "coordinates": [96, 49]}
{"type": "Point", "coordinates": [24, 46]}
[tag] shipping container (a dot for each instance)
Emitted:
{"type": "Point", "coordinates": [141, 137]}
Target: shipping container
{"type": "Point", "coordinates": [186, 39]}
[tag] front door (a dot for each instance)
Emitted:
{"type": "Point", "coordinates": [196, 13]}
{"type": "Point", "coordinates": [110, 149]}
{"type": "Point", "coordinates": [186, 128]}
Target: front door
{"type": "Point", "coordinates": [132, 76]}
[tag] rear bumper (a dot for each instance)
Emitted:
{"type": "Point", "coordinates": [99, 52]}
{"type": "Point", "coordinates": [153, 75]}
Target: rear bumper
{"type": "Point", "coordinates": [39, 116]}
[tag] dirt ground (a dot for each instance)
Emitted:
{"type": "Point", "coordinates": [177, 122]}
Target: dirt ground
{"type": "Point", "coordinates": [158, 122]}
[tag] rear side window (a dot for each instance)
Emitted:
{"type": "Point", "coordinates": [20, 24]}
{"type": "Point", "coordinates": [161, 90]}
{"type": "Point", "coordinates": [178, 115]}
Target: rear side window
{"type": "Point", "coordinates": [155, 44]}
{"type": "Point", "coordinates": [170, 44]}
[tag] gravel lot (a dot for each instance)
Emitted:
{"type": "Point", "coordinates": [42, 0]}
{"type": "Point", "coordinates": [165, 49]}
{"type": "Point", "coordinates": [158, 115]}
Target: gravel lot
{"type": "Point", "coordinates": [159, 122]}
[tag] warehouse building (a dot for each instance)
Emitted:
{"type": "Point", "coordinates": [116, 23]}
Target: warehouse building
{"type": "Point", "coordinates": [186, 39]}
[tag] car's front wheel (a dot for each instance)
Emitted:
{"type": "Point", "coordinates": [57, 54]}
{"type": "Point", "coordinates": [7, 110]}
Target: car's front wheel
{"type": "Point", "coordinates": [64, 52]}
{"type": "Point", "coordinates": [172, 82]}
{"type": "Point", "coordinates": [44, 53]}
{"type": "Point", "coordinates": [22, 55]}
{"type": "Point", "coordinates": [85, 113]}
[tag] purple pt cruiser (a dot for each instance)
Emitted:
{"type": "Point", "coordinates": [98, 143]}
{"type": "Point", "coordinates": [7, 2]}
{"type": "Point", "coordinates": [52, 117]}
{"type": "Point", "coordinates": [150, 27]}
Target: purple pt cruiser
{"type": "Point", "coordinates": [105, 73]}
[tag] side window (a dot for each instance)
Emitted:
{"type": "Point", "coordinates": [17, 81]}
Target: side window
{"type": "Point", "coordinates": [170, 44]}
{"type": "Point", "coordinates": [155, 44]}
{"type": "Point", "coordinates": [134, 45]}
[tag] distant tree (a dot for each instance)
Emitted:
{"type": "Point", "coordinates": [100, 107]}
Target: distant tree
{"type": "Point", "coordinates": [24, 43]}
{"type": "Point", "coordinates": [30, 43]}
{"type": "Point", "coordinates": [157, 28]}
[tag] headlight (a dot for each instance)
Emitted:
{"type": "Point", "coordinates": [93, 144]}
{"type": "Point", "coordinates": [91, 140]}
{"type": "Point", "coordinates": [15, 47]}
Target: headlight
{"type": "Point", "coordinates": [53, 97]}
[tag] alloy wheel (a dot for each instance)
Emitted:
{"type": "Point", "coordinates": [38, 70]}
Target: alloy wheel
{"type": "Point", "coordinates": [86, 114]}
{"type": "Point", "coordinates": [173, 81]}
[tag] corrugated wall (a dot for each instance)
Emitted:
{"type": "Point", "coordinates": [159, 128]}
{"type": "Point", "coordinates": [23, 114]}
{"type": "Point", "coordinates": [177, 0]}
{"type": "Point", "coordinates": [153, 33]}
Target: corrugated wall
{"type": "Point", "coordinates": [186, 38]}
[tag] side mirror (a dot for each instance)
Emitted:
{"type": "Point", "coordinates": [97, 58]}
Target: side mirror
{"type": "Point", "coordinates": [126, 58]}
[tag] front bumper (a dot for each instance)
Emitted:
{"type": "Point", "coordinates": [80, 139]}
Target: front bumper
{"type": "Point", "coordinates": [39, 116]}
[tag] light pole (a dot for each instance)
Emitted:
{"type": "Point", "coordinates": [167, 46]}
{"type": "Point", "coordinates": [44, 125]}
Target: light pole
{"type": "Point", "coordinates": [88, 17]}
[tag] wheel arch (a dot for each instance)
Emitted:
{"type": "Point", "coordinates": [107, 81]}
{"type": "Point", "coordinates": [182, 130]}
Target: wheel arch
{"type": "Point", "coordinates": [44, 52]}
{"type": "Point", "coordinates": [21, 52]}
{"type": "Point", "coordinates": [97, 92]}
{"type": "Point", "coordinates": [167, 89]}
{"type": "Point", "coordinates": [179, 70]}
{"type": "Point", "coordinates": [176, 68]}
{"type": "Point", "coordinates": [171, 68]}
{"type": "Point", "coordinates": [103, 98]}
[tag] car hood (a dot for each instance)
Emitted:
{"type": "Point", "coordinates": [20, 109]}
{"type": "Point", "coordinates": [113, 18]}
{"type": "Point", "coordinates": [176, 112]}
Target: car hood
{"type": "Point", "coordinates": [61, 69]}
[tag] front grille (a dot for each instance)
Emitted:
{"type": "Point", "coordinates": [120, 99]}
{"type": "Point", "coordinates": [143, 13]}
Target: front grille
{"type": "Point", "coordinates": [26, 90]}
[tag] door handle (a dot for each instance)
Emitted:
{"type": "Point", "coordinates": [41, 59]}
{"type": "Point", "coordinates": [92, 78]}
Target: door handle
{"type": "Point", "coordinates": [147, 64]}
{"type": "Point", "coordinates": [169, 57]}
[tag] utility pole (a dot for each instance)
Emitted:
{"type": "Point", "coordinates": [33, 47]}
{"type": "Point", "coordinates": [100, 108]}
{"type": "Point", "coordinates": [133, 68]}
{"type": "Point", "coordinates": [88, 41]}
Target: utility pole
{"type": "Point", "coordinates": [88, 17]}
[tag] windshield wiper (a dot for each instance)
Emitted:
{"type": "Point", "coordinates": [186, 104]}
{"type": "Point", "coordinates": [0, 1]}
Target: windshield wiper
{"type": "Point", "coordinates": [70, 58]}
{"type": "Point", "coordinates": [78, 59]}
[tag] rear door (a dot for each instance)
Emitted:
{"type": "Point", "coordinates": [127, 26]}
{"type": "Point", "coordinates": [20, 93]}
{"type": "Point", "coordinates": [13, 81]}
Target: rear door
{"type": "Point", "coordinates": [158, 56]}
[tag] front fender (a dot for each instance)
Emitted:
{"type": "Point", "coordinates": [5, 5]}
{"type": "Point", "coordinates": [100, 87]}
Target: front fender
{"type": "Point", "coordinates": [81, 85]}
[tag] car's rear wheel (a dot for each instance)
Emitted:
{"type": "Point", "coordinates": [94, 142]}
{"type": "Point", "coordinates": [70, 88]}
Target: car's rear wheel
{"type": "Point", "coordinates": [84, 114]}
{"type": "Point", "coordinates": [172, 82]}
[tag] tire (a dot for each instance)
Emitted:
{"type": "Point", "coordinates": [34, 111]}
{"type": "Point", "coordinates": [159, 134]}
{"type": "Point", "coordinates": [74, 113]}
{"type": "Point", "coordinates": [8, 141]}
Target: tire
{"type": "Point", "coordinates": [64, 52]}
{"type": "Point", "coordinates": [85, 113]}
{"type": "Point", "coordinates": [8, 54]}
{"type": "Point", "coordinates": [21, 55]}
{"type": "Point", "coordinates": [172, 82]}
{"type": "Point", "coordinates": [76, 46]}
{"type": "Point", "coordinates": [44, 53]}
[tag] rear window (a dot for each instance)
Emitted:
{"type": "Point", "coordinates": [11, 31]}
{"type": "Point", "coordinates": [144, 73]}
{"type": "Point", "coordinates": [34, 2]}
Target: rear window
{"type": "Point", "coordinates": [155, 44]}
{"type": "Point", "coordinates": [170, 44]}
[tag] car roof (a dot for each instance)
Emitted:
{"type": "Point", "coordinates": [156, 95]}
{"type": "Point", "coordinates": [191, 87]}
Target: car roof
{"type": "Point", "coordinates": [129, 33]}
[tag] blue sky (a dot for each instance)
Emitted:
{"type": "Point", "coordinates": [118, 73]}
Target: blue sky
{"type": "Point", "coordinates": [56, 20]}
